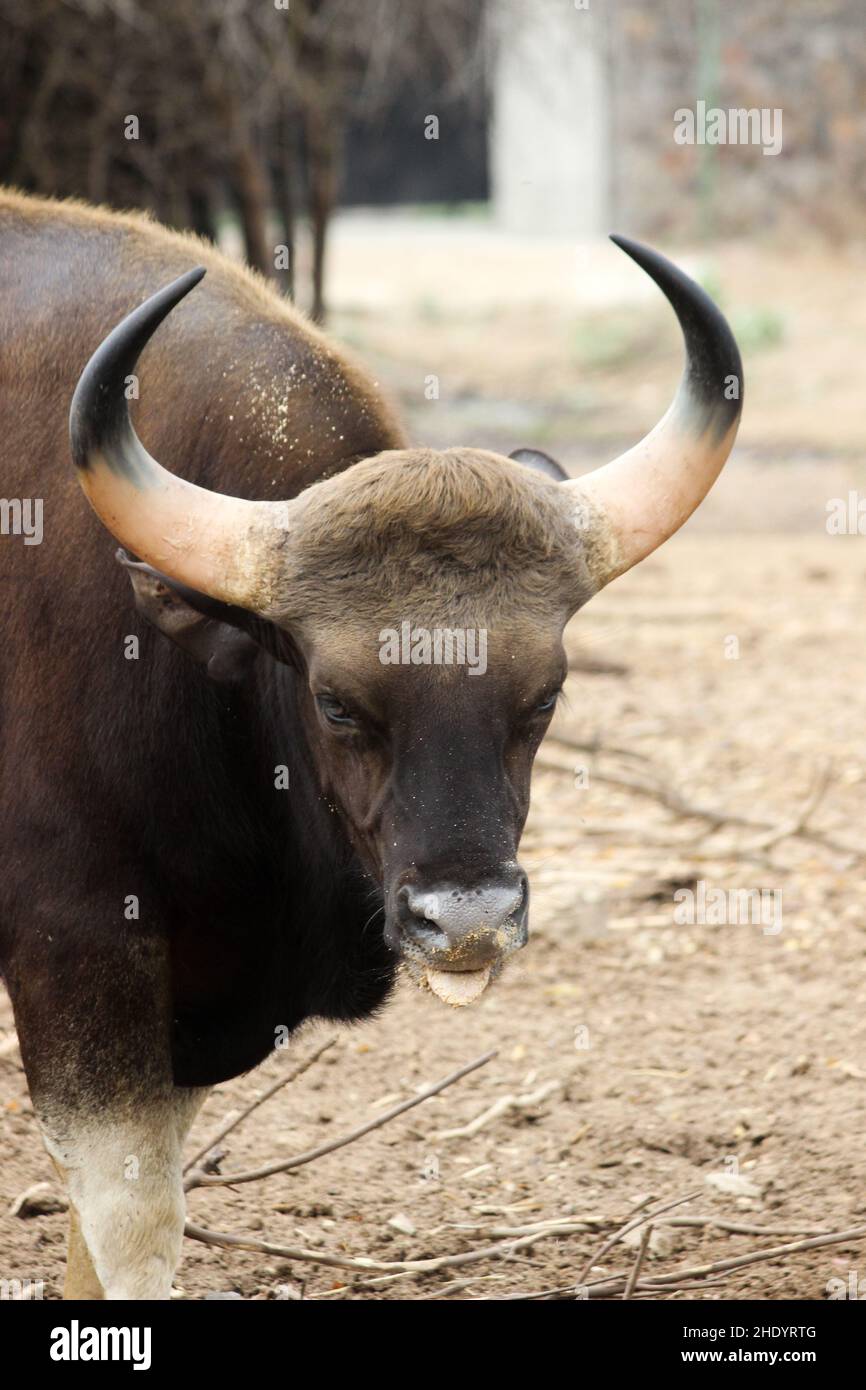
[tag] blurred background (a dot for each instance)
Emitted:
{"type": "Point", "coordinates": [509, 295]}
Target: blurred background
{"type": "Point", "coordinates": [438, 179]}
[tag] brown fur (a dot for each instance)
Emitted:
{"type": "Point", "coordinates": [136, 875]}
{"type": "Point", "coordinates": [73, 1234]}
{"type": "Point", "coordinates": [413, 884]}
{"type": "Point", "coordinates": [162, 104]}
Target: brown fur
{"type": "Point", "coordinates": [460, 535]}
{"type": "Point", "coordinates": [260, 907]}
{"type": "Point", "coordinates": [155, 245]}
{"type": "Point", "coordinates": [236, 369]}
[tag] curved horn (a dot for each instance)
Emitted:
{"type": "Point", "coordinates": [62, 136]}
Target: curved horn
{"type": "Point", "coordinates": [212, 543]}
{"type": "Point", "coordinates": [640, 499]}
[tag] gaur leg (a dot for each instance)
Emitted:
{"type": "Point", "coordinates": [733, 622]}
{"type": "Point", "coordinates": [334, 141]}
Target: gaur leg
{"type": "Point", "coordinates": [81, 1282]}
{"type": "Point", "coordinates": [93, 1010]}
{"type": "Point", "coordinates": [123, 1173]}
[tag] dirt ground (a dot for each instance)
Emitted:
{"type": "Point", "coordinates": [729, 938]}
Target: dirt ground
{"type": "Point", "coordinates": [642, 1056]}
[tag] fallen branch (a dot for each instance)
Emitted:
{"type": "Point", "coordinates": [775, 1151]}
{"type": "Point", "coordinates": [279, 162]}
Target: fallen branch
{"type": "Point", "coordinates": [742, 1228]}
{"type": "Point", "coordinates": [285, 1165]}
{"type": "Point", "coordinates": [715, 817]}
{"type": "Point", "coordinates": [757, 1256]}
{"type": "Point", "coordinates": [667, 1283]}
{"type": "Point", "coordinates": [631, 1225]}
{"type": "Point", "coordinates": [799, 824]}
{"type": "Point", "coordinates": [503, 1106]}
{"type": "Point", "coordinates": [504, 1249]}
{"type": "Point", "coordinates": [254, 1105]}
{"type": "Point", "coordinates": [694, 1277]}
{"type": "Point", "coordinates": [591, 1223]}
{"type": "Point", "coordinates": [639, 1259]}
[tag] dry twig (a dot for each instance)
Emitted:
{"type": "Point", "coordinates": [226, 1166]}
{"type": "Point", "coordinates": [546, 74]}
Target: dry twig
{"type": "Point", "coordinates": [285, 1165]}
{"type": "Point", "coordinates": [254, 1105]}
{"type": "Point", "coordinates": [639, 1259]}
{"type": "Point", "coordinates": [503, 1106]}
{"type": "Point", "coordinates": [716, 817]}
{"type": "Point", "coordinates": [683, 1278]}
{"type": "Point", "coordinates": [631, 1225]}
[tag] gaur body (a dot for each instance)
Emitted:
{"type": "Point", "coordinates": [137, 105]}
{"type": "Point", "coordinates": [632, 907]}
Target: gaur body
{"type": "Point", "coordinates": [247, 818]}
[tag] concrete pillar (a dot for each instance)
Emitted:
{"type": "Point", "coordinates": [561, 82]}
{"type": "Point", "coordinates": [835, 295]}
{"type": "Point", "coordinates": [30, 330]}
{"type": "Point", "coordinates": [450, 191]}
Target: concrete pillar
{"type": "Point", "coordinates": [550, 124]}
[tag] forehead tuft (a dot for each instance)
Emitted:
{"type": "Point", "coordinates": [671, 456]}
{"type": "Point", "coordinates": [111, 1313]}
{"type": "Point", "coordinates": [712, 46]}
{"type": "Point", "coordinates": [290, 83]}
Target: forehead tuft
{"type": "Point", "coordinates": [440, 533]}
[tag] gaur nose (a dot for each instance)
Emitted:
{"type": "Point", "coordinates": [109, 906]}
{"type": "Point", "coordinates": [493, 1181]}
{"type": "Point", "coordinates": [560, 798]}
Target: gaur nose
{"type": "Point", "coordinates": [465, 928]}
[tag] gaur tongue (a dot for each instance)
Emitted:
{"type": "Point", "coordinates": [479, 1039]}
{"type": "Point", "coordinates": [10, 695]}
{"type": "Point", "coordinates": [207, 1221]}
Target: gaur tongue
{"type": "Point", "coordinates": [458, 987]}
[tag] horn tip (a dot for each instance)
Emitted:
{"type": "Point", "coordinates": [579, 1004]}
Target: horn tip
{"type": "Point", "coordinates": [638, 252]}
{"type": "Point", "coordinates": [180, 288]}
{"type": "Point", "coordinates": [189, 280]}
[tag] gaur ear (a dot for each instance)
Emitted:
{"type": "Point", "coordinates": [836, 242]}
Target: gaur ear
{"type": "Point", "coordinates": [203, 631]}
{"type": "Point", "coordinates": [543, 463]}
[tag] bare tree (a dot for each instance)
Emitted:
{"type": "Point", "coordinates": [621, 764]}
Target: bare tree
{"type": "Point", "coordinates": [193, 107]}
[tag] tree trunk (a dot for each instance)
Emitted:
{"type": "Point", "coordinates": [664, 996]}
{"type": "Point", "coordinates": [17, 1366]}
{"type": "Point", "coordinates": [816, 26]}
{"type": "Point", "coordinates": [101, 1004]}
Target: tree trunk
{"type": "Point", "coordinates": [201, 214]}
{"type": "Point", "coordinates": [249, 185]}
{"type": "Point", "coordinates": [284, 192]}
{"type": "Point", "coordinates": [322, 141]}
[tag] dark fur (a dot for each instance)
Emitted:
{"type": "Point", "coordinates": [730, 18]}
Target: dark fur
{"type": "Point", "coordinates": [143, 777]}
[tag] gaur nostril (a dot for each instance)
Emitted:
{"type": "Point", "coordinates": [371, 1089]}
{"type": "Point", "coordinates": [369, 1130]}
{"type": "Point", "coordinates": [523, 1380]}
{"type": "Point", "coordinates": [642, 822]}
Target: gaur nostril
{"type": "Point", "coordinates": [419, 912]}
{"type": "Point", "coordinates": [464, 928]}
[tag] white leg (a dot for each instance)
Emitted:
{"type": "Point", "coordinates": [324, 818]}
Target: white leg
{"type": "Point", "coordinates": [124, 1177]}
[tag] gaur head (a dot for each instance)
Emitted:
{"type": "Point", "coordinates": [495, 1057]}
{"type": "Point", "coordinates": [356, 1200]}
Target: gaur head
{"type": "Point", "coordinates": [423, 596]}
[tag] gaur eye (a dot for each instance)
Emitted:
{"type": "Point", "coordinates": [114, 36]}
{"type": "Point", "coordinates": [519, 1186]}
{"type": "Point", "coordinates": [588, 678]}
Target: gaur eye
{"type": "Point", "coordinates": [334, 710]}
